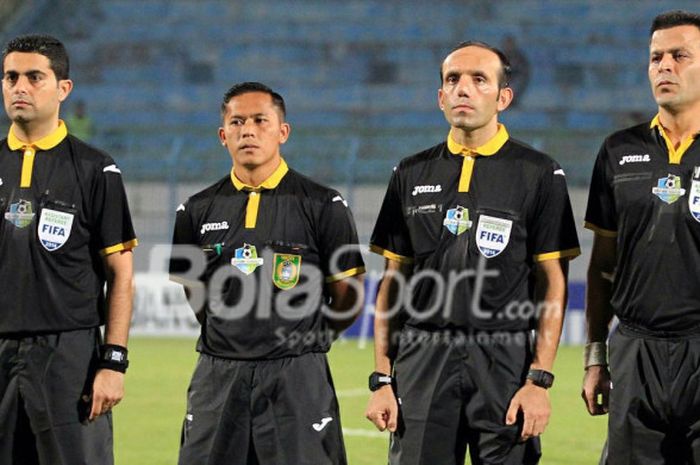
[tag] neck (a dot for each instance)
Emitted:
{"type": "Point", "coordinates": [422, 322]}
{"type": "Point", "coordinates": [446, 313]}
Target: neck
{"type": "Point", "coordinates": [679, 125]}
{"type": "Point", "coordinates": [30, 133]}
{"type": "Point", "coordinates": [256, 175]}
{"type": "Point", "coordinates": [473, 138]}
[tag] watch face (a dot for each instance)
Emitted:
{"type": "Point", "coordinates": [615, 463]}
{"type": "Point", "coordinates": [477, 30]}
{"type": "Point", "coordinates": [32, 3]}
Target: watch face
{"type": "Point", "coordinates": [114, 356]}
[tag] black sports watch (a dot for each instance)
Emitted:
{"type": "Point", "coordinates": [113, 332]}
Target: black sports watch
{"type": "Point", "coordinates": [541, 378]}
{"type": "Point", "coordinates": [377, 380]}
{"type": "Point", "coordinates": [113, 357]}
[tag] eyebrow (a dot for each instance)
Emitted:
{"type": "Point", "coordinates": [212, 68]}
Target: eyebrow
{"type": "Point", "coordinates": [247, 116]}
{"type": "Point", "coordinates": [26, 73]}
{"type": "Point", "coordinates": [670, 50]}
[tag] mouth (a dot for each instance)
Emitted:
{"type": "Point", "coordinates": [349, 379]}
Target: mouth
{"type": "Point", "coordinates": [20, 103]}
{"type": "Point", "coordinates": [463, 107]}
{"type": "Point", "coordinates": [664, 82]}
{"type": "Point", "coordinates": [248, 147]}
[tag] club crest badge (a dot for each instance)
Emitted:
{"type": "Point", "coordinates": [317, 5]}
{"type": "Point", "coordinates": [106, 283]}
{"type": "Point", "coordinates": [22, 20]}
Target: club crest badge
{"type": "Point", "coordinates": [669, 189]}
{"type": "Point", "coordinates": [21, 213]}
{"type": "Point", "coordinates": [694, 197]}
{"type": "Point", "coordinates": [286, 270]}
{"type": "Point", "coordinates": [246, 259]}
{"type": "Point", "coordinates": [492, 235]}
{"type": "Point", "coordinates": [54, 228]}
{"type": "Point", "coordinates": [457, 220]}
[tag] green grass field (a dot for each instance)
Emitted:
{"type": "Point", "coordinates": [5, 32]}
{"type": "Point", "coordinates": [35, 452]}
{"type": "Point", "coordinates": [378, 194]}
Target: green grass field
{"type": "Point", "coordinates": [147, 422]}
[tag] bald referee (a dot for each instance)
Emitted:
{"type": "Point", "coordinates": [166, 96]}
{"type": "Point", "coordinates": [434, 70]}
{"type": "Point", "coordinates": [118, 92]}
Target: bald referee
{"type": "Point", "coordinates": [644, 208]}
{"type": "Point", "coordinates": [283, 276]}
{"type": "Point", "coordinates": [65, 232]}
{"type": "Point", "coordinates": [477, 232]}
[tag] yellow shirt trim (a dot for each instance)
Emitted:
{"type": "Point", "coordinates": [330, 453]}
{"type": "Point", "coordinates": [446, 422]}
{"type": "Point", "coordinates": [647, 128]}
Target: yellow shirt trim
{"type": "Point", "coordinates": [674, 154]}
{"type": "Point", "coordinates": [251, 210]}
{"type": "Point", "coordinates": [488, 149]}
{"type": "Point", "coordinates": [600, 231]}
{"type": "Point", "coordinates": [270, 183]}
{"type": "Point", "coordinates": [119, 247]}
{"type": "Point", "coordinates": [568, 253]}
{"type": "Point", "coordinates": [345, 274]}
{"type": "Point", "coordinates": [27, 167]}
{"type": "Point", "coordinates": [390, 255]}
{"type": "Point", "coordinates": [45, 143]}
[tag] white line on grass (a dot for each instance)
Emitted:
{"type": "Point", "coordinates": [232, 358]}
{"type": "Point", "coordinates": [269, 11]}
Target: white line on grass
{"type": "Point", "coordinates": [365, 433]}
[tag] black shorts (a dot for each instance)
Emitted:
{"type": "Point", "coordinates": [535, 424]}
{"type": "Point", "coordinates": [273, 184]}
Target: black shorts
{"type": "Point", "coordinates": [44, 418]}
{"type": "Point", "coordinates": [454, 390]}
{"type": "Point", "coordinates": [267, 412]}
{"type": "Point", "coordinates": [654, 413]}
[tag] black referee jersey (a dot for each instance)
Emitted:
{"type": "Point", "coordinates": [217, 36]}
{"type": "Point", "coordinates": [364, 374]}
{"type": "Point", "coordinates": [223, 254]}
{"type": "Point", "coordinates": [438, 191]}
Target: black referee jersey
{"type": "Point", "coordinates": [473, 223]}
{"type": "Point", "coordinates": [64, 208]}
{"type": "Point", "coordinates": [270, 250]}
{"type": "Point", "coordinates": [646, 194]}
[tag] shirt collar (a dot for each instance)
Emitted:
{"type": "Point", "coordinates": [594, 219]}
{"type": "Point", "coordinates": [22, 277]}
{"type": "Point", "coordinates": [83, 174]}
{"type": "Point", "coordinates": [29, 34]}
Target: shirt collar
{"type": "Point", "coordinates": [488, 149]}
{"type": "Point", "coordinates": [45, 143]}
{"type": "Point", "coordinates": [270, 183]}
{"type": "Point", "coordinates": [656, 123]}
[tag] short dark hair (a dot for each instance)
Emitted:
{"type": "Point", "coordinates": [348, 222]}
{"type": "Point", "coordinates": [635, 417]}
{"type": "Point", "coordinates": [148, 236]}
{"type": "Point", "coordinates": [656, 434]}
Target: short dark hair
{"type": "Point", "coordinates": [248, 87]}
{"type": "Point", "coordinates": [506, 70]}
{"type": "Point", "coordinates": [674, 18]}
{"type": "Point", "coordinates": [46, 45]}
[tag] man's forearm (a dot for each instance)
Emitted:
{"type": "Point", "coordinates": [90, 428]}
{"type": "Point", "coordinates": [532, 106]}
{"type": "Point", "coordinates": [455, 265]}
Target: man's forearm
{"type": "Point", "coordinates": [119, 298]}
{"type": "Point", "coordinates": [384, 324]}
{"type": "Point", "coordinates": [552, 280]}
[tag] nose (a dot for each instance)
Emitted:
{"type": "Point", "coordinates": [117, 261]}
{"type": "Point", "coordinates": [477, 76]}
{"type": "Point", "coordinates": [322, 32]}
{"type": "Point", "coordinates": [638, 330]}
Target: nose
{"type": "Point", "coordinates": [248, 128]}
{"type": "Point", "coordinates": [665, 62]}
{"type": "Point", "coordinates": [464, 86]}
{"type": "Point", "coordinates": [20, 85]}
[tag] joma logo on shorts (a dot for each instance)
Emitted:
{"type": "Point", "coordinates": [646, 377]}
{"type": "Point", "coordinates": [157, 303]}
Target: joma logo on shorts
{"type": "Point", "coordinates": [427, 189]}
{"type": "Point", "coordinates": [635, 159]}
{"type": "Point", "coordinates": [213, 227]}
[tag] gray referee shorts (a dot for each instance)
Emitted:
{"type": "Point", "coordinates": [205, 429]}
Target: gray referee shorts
{"type": "Point", "coordinates": [266, 412]}
{"type": "Point", "coordinates": [654, 416]}
{"type": "Point", "coordinates": [454, 391]}
{"type": "Point", "coordinates": [44, 419]}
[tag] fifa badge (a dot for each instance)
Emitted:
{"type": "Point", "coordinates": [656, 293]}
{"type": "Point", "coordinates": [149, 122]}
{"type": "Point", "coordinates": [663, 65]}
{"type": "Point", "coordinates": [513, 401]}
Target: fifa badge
{"type": "Point", "coordinates": [492, 235]}
{"type": "Point", "coordinates": [694, 197]}
{"type": "Point", "coordinates": [54, 228]}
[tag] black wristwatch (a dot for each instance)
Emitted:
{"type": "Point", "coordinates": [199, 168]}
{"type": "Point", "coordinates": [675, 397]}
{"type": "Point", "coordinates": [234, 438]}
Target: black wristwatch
{"type": "Point", "coordinates": [541, 378]}
{"type": "Point", "coordinates": [377, 380]}
{"type": "Point", "coordinates": [113, 357]}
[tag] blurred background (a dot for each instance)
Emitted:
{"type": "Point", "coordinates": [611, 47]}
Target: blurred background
{"type": "Point", "coordinates": [360, 78]}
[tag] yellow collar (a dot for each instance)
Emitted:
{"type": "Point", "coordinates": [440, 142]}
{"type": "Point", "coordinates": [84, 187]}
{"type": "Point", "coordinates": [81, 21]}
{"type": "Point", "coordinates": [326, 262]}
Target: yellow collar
{"type": "Point", "coordinates": [674, 154]}
{"type": "Point", "coordinates": [488, 149]}
{"type": "Point", "coordinates": [270, 183]}
{"type": "Point", "coordinates": [45, 143]}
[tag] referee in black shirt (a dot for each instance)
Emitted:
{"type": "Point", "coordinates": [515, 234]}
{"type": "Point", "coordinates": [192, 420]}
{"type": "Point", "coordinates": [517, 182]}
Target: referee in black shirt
{"type": "Point", "coordinates": [481, 228]}
{"type": "Point", "coordinates": [282, 276]}
{"type": "Point", "coordinates": [65, 232]}
{"type": "Point", "coordinates": [644, 207]}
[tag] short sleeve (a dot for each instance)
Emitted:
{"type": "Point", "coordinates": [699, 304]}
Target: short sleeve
{"type": "Point", "coordinates": [600, 212]}
{"type": "Point", "coordinates": [183, 234]}
{"type": "Point", "coordinates": [390, 237]}
{"type": "Point", "coordinates": [338, 244]}
{"type": "Point", "coordinates": [114, 230]}
{"type": "Point", "coordinates": [554, 229]}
